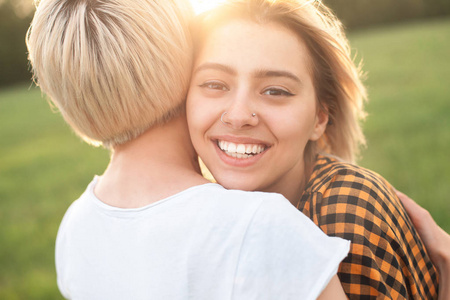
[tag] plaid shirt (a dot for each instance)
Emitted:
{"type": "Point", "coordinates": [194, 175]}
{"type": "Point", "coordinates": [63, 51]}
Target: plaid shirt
{"type": "Point", "coordinates": [387, 259]}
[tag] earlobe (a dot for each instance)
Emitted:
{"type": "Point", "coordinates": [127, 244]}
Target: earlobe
{"type": "Point", "coordinates": [322, 119]}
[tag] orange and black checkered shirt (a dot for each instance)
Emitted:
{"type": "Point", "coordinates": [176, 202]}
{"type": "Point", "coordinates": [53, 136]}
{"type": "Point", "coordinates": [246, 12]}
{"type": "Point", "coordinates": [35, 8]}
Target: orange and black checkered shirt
{"type": "Point", "coordinates": [387, 259]}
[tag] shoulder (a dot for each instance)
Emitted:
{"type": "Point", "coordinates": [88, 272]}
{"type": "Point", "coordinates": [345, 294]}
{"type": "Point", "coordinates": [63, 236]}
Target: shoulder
{"type": "Point", "coordinates": [79, 213]}
{"type": "Point", "coordinates": [353, 202]}
{"type": "Point", "coordinates": [359, 205]}
{"type": "Point", "coordinates": [278, 220]}
{"type": "Point", "coordinates": [266, 209]}
{"type": "Point", "coordinates": [330, 172]}
{"type": "Point", "coordinates": [215, 197]}
{"type": "Point", "coordinates": [338, 181]}
{"type": "Point", "coordinates": [268, 216]}
{"type": "Point", "coordinates": [282, 247]}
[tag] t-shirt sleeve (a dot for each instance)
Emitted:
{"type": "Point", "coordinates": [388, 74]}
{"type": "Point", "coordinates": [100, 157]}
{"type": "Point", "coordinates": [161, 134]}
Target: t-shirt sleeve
{"type": "Point", "coordinates": [61, 248]}
{"type": "Point", "coordinates": [284, 255]}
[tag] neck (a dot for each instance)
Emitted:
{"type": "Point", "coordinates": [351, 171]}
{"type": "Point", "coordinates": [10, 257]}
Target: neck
{"type": "Point", "coordinates": [159, 163]}
{"type": "Point", "coordinates": [292, 192]}
{"type": "Point", "coordinates": [293, 188]}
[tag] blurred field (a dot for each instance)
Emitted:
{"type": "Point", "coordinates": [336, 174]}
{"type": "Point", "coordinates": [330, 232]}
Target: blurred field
{"type": "Point", "coordinates": [408, 127]}
{"type": "Point", "coordinates": [44, 167]}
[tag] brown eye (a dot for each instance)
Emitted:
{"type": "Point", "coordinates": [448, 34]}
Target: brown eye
{"type": "Point", "coordinates": [214, 85]}
{"type": "Point", "coordinates": [277, 92]}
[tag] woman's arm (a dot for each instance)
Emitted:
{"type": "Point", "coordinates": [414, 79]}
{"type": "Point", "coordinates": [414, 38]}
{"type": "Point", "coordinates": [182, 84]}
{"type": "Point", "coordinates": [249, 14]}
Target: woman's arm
{"type": "Point", "coordinates": [436, 240]}
{"type": "Point", "coordinates": [333, 290]}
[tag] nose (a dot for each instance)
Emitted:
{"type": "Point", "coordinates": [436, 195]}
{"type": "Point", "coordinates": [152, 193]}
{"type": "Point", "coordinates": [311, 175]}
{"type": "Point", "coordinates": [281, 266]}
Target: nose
{"type": "Point", "coordinates": [239, 115]}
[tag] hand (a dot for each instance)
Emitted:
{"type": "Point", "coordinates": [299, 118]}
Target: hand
{"type": "Point", "coordinates": [436, 240]}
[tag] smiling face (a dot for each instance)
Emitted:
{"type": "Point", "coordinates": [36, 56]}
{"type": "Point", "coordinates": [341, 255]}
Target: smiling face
{"type": "Point", "coordinates": [244, 68]}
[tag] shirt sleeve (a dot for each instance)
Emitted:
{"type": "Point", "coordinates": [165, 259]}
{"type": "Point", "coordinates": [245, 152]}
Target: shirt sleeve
{"type": "Point", "coordinates": [284, 255]}
{"type": "Point", "coordinates": [386, 258]}
{"type": "Point", "coordinates": [60, 249]}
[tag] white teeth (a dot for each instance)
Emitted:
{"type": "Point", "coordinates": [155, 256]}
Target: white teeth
{"type": "Point", "coordinates": [240, 150]}
{"type": "Point", "coordinates": [255, 148]}
{"type": "Point", "coordinates": [248, 149]}
{"type": "Point", "coordinates": [232, 147]}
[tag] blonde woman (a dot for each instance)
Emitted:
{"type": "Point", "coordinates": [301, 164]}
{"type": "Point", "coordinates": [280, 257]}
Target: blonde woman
{"type": "Point", "coordinates": [274, 105]}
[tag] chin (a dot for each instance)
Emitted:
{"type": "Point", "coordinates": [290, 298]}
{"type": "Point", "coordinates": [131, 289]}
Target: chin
{"type": "Point", "coordinates": [237, 183]}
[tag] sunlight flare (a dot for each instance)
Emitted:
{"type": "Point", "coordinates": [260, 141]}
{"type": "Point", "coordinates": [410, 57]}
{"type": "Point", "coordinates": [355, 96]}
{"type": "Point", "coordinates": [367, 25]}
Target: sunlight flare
{"type": "Point", "coordinates": [201, 6]}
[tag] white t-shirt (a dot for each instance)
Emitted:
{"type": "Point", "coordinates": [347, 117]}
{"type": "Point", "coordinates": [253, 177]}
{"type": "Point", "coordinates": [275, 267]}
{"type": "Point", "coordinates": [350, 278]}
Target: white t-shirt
{"type": "Point", "coordinates": [203, 243]}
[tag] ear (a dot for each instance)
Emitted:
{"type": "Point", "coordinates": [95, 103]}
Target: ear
{"type": "Point", "coordinates": [320, 124]}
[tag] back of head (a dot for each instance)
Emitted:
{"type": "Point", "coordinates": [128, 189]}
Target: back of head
{"type": "Point", "coordinates": [114, 68]}
{"type": "Point", "coordinates": [336, 79]}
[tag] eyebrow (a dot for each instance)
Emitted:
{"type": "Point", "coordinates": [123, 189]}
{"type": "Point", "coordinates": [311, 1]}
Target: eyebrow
{"type": "Point", "coordinates": [258, 74]}
{"type": "Point", "coordinates": [215, 66]}
{"type": "Point", "coordinates": [276, 73]}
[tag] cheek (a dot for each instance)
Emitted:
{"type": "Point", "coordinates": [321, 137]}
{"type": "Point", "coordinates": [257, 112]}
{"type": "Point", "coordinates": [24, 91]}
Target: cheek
{"type": "Point", "coordinates": [293, 134]}
{"type": "Point", "coordinates": [294, 125]}
{"type": "Point", "coordinates": [200, 115]}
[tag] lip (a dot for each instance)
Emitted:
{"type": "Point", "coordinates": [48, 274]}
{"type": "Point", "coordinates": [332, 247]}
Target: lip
{"type": "Point", "coordinates": [239, 162]}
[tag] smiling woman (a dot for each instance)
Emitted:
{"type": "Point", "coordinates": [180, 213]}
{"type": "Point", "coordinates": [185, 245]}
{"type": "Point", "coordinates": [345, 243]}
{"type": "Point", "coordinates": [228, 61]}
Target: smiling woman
{"type": "Point", "coordinates": [274, 106]}
{"type": "Point", "coordinates": [244, 69]}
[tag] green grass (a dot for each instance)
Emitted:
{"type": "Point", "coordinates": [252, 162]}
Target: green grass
{"type": "Point", "coordinates": [408, 127]}
{"type": "Point", "coordinates": [44, 166]}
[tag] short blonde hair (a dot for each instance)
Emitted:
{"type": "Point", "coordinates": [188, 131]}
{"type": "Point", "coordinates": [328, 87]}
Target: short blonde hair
{"type": "Point", "coordinates": [339, 90]}
{"type": "Point", "coordinates": [114, 68]}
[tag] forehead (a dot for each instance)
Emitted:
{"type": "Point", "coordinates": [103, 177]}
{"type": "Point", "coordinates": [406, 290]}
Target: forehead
{"type": "Point", "coordinates": [242, 43]}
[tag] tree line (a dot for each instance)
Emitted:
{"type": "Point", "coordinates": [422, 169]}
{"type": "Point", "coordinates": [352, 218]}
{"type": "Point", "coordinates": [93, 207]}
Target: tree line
{"type": "Point", "coordinates": [354, 14]}
{"type": "Point", "coordinates": [13, 57]}
{"type": "Point", "coordinates": [364, 13]}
